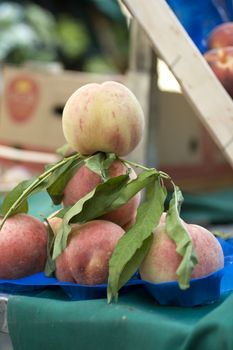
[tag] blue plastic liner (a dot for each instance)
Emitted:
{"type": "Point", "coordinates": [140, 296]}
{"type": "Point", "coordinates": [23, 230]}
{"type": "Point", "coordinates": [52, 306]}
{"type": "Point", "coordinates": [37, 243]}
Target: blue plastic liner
{"type": "Point", "coordinates": [202, 291]}
{"type": "Point", "coordinates": [87, 292]}
{"type": "Point", "coordinates": [227, 280]}
{"type": "Point", "coordinates": [27, 285]}
{"type": "Point", "coordinates": [32, 284]}
{"type": "Point", "coordinates": [227, 246]}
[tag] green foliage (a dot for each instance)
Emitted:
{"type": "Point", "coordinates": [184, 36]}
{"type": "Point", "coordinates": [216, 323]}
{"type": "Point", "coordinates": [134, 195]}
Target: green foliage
{"type": "Point", "coordinates": [60, 177]}
{"type": "Point", "coordinates": [73, 37]}
{"type": "Point", "coordinates": [12, 196]}
{"type": "Point", "coordinates": [94, 204]}
{"type": "Point", "coordinates": [43, 23]}
{"type": "Point", "coordinates": [26, 33]}
{"type": "Point", "coordinates": [134, 245]}
{"type": "Point", "coordinates": [99, 163]}
{"type": "Point", "coordinates": [16, 200]}
{"type": "Point", "coordinates": [99, 64]}
{"type": "Point", "coordinates": [177, 231]}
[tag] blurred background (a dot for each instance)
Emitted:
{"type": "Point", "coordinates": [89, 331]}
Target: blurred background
{"type": "Point", "coordinates": [45, 46]}
{"type": "Point", "coordinates": [50, 48]}
{"type": "Point", "coordinates": [86, 35]}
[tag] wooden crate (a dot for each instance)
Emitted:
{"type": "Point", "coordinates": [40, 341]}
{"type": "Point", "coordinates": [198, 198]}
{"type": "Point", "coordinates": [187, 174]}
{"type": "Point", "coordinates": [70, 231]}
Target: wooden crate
{"type": "Point", "coordinates": [200, 86]}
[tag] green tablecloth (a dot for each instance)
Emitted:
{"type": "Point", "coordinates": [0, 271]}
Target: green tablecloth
{"type": "Point", "coordinates": [51, 322]}
{"type": "Point", "coordinates": [214, 207]}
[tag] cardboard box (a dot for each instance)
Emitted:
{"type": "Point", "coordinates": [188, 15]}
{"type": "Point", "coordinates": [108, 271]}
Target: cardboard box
{"type": "Point", "coordinates": [32, 104]}
{"type": "Point", "coordinates": [185, 150]}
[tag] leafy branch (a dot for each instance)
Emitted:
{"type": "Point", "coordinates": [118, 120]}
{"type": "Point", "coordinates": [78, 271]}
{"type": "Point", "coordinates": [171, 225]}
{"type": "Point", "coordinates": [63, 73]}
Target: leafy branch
{"type": "Point", "coordinates": [16, 199]}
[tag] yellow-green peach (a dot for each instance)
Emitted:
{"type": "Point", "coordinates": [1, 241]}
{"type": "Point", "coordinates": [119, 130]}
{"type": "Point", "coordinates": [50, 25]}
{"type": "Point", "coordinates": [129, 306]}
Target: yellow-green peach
{"type": "Point", "coordinates": [103, 117]}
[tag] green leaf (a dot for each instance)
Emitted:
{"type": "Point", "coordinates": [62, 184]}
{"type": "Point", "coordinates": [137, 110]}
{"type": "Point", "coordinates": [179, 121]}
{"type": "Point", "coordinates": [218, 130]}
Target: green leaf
{"type": "Point", "coordinates": [136, 260]}
{"type": "Point", "coordinates": [13, 195]}
{"type": "Point", "coordinates": [16, 200]}
{"type": "Point", "coordinates": [124, 195]}
{"type": "Point", "coordinates": [99, 163]}
{"type": "Point", "coordinates": [61, 213]}
{"type": "Point", "coordinates": [63, 150]}
{"type": "Point", "coordinates": [50, 263]}
{"type": "Point", "coordinates": [108, 197]}
{"type": "Point", "coordinates": [133, 187]}
{"type": "Point", "coordinates": [177, 232]}
{"type": "Point", "coordinates": [133, 246]}
{"type": "Point", "coordinates": [109, 159]}
{"type": "Point", "coordinates": [60, 178]}
{"type": "Point", "coordinates": [89, 207]}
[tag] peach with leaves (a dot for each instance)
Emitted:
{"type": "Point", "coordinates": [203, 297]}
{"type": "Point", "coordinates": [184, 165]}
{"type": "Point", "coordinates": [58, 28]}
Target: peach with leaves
{"type": "Point", "coordinates": [162, 261]}
{"type": "Point", "coordinates": [85, 180]}
{"type": "Point", "coordinates": [90, 246]}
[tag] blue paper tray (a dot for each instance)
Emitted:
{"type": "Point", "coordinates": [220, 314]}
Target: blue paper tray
{"type": "Point", "coordinates": [87, 292]}
{"type": "Point", "coordinates": [204, 290]}
{"type": "Point", "coordinates": [227, 280]}
{"type": "Point", "coordinates": [32, 284]}
{"type": "Point", "coordinates": [27, 285]}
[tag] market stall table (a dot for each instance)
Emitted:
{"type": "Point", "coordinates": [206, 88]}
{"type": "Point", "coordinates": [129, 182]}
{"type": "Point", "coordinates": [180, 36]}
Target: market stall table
{"type": "Point", "coordinates": [50, 321]}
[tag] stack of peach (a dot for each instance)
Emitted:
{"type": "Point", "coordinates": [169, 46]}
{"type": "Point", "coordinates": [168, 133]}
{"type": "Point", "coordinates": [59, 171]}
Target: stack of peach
{"type": "Point", "coordinates": [220, 54]}
{"type": "Point", "coordinates": [99, 118]}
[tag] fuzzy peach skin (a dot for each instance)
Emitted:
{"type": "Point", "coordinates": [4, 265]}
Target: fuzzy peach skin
{"type": "Point", "coordinates": [85, 180]}
{"type": "Point", "coordinates": [103, 117]}
{"type": "Point", "coordinates": [221, 36]}
{"type": "Point", "coordinates": [63, 272]}
{"type": "Point", "coordinates": [23, 247]}
{"type": "Point", "coordinates": [162, 261]}
{"type": "Point", "coordinates": [90, 246]}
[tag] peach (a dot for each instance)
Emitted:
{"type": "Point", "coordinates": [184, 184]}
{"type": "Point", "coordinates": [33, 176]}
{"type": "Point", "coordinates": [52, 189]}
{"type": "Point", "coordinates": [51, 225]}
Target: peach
{"type": "Point", "coordinates": [221, 62]}
{"type": "Point", "coordinates": [90, 246]}
{"type": "Point", "coordinates": [103, 117]}
{"type": "Point", "coordinates": [23, 247]}
{"type": "Point", "coordinates": [162, 260]}
{"type": "Point", "coordinates": [86, 180]}
{"type": "Point", "coordinates": [221, 36]}
{"type": "Point", "coordinates": [63, 272]}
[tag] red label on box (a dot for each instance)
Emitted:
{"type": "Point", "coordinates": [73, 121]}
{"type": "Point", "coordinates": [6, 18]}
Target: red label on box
{"type": "Point", "coordinates": [21, 98]}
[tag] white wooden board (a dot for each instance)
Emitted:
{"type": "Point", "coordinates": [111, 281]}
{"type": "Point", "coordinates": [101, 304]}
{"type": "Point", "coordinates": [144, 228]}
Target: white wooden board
{"type": "Point", "coordinates": [199, 84]}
